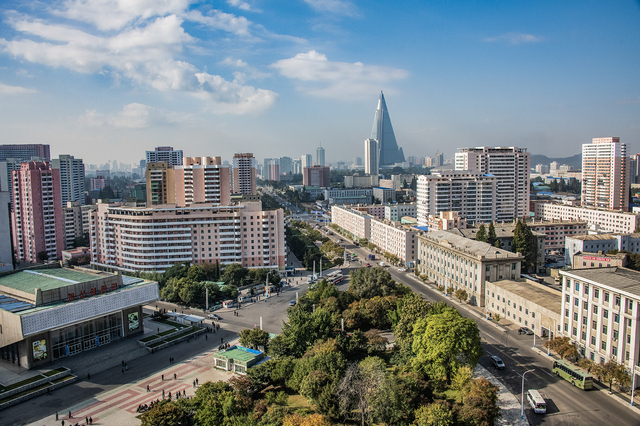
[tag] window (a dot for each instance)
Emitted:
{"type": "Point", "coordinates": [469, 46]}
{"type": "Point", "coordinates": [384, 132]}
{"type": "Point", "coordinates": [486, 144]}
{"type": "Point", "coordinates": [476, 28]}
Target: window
{"type": "Point", "coordinates": [575, 316]}
{"type": "Point", "coordinates": [568, 298]}
{"type": "Point", "coordinates": [577, 286]}
{"type": "Point", "coordinates": [594, 325]}
{"type": "Point", "coordinates": [604, 329]}
{"type": "Point", "coordinates": [605, 313]}
{"type": "Point", "coordinates": [606, 297]}
{"type": "Point", "coordinates": [614, 350]}
{"type": "Point", "coordinates": [596, 293]}
{"type": "Point", "coordinates": [617, 300]}
{"type": "Point", "coordinates": [576, 301]}
{"type": "Point", "coordinates": [593, 340]}
{"type": "Point", "coordinates": [585, 305]}
{"type": "Point", "coordinates": [604, 345]}
{"type": "Point", "coordinates": [575, 331]}
{"type": "Point", "coordinates": [566, 313]}
{"type": "Point", "coordinates": [586, 289]}
{"type": "Point", "coordinates": [584, 320]}
{"type": "Point", "coordinates": [616, 318]}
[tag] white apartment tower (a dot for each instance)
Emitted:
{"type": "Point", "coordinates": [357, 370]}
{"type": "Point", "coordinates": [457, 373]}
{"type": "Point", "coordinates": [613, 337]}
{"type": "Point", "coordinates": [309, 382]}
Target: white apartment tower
{"type": "Point", "coordinates": [510, 165]}
{"type": "Point", "coordinates": [320, 156]}
{"type": "Point", "coordinates": [244, 174]}
{"type": "Point", "coordinates": [306, 160]}
{"type": "Point", "coordinates": [470, 194]}
{"type": "Point", "coordinates": [371, 152]}
{"type": "Point", "coordinates": [71, 178]}
{"type": "Point", "coordinates": [165, 154]}
{"type": "Point", "coordinates": [605, 174]}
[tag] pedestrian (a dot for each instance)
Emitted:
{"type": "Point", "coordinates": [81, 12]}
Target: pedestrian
{"type": "Point", "coordinates": [88, 376]}
{"type": "Point", "coordinates": [63, 423]}
{"type": "Point", "coordinates": [70, 414]}
{"type": "Point", "coordinates": [221, 340]}
{"type": "Point", "coordinates": [126, 367]}
{"type": "Point", "coordinates": [206, 337]}
{"type": "Point", "coordinates": [194, 384]}
{"type": "Point", "coordinates": [123, 362]}
{"type": "Point", "coordinates": [163, 377]}
{"type": "Point", "coordinates": [175, 377]}
{"type": "Point", "coordinates": [123, 371]}
{"type": "Point", "coordinates": [148, 388]}
{"type": "Point", "coordinates": [169, 395]}
{"type": "Point", "coordinates": [197, 382]}
{"type": "Point", "coordinates": [158, 329]}
{"type": "Point", "coordinates": [184, 392]}
{"type": "Point", "coordinates": [86, 420]}
{"type": "Point", "coordinates": [90, 420]}
{"type": "Point", "coordinates": [56, 416]}
{"type": "Point", "coordinates": [162, 393]}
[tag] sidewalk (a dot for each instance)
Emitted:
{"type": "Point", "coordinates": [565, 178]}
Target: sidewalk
{"type": "Point", "coordinates": [509, 405]}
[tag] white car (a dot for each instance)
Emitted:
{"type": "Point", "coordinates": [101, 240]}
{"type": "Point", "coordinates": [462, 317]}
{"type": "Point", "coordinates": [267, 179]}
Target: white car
{"type": "Point", "coordinates": [402, 269]}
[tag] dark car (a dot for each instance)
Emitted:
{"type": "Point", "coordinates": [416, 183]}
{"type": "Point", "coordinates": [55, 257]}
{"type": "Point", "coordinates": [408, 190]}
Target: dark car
{"type": "Point", "coordinates": [215, 316]}
{"type": "Point", "coordinates": [525, 330]}
{"type": "Point", "coordinates": [497, 362]}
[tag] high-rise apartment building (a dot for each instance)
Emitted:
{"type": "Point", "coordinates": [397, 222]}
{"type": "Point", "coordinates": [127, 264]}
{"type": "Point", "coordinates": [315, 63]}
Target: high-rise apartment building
{"type": "Point", "coordinates": [71, 178]}
{"type": "Point", "coordinates": [470, 194]}
{"type": "Point", "coordinates": [306, 160]}
{"type": "Point", "coordinates": [271, 169]}
{"type": "Point", "coordinates": [634, 168]}
{"type": "Point", "coordinates": [286, 165]}
{"type": "Point", "coordinates": [244, 174]}
{"type": "Point", "coordinates": [25, 151]}
{"type": "Point", "coordinates": [167, 235]}
{"type": "Point", "coordinates": [202, 180]}
{"type": "Point", "coordinates": [438, 160]}
{"type": "Point", "coordinates": [37, 218]}
{"type": "Point", "coordinates": [297, 166]}
{"type": "Point", "coordinates": [357, 161]}
{"type": "Point", "coordinates": [511, 167]}
{"type": "Point", "coordinates": [165, 154]}
{"type": "Point", "coordinates": [160, 184]}
{"type": "Point", "coordinates": [371, 152]}
{"type": "Point", "coordinates": [382, 131]}
{"type": "Point", "coordinates": [72, 223]}
{"type": "Point", "coordinates": [320, 161]}
{"type": "Point", "coordinates": [605, 174]}
{"type": "Point", "coordinates": [316, 176]}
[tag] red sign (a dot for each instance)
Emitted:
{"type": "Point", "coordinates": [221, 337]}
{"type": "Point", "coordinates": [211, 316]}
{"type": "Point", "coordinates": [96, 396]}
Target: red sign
{"type": "Point", "coordinates": [103, 288]}
{"type": "Point", "coordinates": [82, 294]}
{"type": "Point", "coordinates": [70, 297]}
{"type": "Point", "coordinates": [93, 291]}
{"type": "Point", "coordinates": [114, 286]}
{"type": "Point", "coordinates": [599, 259]}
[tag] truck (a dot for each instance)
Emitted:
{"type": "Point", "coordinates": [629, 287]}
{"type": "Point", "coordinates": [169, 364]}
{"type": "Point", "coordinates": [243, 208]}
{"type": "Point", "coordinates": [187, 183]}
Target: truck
{"type": "Point", "coordinates": [372, 257]}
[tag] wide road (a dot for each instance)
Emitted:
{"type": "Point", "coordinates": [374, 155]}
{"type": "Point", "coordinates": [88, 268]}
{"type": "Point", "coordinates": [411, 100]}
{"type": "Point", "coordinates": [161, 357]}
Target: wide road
{"type": "Point", "coordinates": [566, 405]}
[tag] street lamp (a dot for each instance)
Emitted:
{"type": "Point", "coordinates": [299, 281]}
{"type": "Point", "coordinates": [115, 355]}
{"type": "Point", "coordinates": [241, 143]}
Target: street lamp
{"type": "Point", "coordinates": [522, 397]}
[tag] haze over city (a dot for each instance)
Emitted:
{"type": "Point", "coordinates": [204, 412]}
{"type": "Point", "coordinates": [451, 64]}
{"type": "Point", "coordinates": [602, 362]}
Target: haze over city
{"type": "Point", "coordinates": [108, 79]}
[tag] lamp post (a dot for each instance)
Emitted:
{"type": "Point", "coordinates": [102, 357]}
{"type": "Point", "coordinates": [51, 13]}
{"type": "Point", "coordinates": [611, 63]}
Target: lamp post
{"type": "Point", "coordinates": [522, 396]}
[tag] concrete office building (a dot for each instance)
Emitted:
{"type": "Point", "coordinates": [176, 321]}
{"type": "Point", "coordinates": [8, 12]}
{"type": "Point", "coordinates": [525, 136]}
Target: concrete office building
{"type": "Point", "coordinates": [244, 174]}
{"type": "Point", "coordinates": [597, 219]}
{"type": "Point", "coordinates": [154, 239]}
{"type": "Point", "coordinates": [165, 154]}
{"type": "Point", "coordinates": [601, 314]}
{"type": "Point", "coordinates": [384, 195]}
{"type": "Point", "coordinates": [25, 151]}
{"type": "Point", "coordinates": [556, 231]}
{"type": "Point", "coordinates": [605, 174]}
{"type": "Point", "coordinates": [445, 221]}
{"type": "Point", "coordinates": [286, 165]}
{"type": "Point", "coordinates": [470, 194]}
{"type": "Point", "coordinates": [510, 166]}
{"type": "Point", "coordinates": [320, 161]}
{"type": "Point", "coordinates": [316, 176]}
{"type": "Point", "coordinates": [71, 178]}
{"type": "Point", "coordinates": [357, 181]}
{"type": "Point", "coordinates": [356, 223]}
{"type": "Point", "coordinates": [586, 260]}
{"type": "Point", "coordinates": [202, 180]}
{"type": "Point", "coordinates": [37, 219]}
{"type": "Point", "coordinates": [394, 212]}
{"type": "Point", "coordinates": [371, 152]}
{"type": "Point", "coordinates": [394, 238]}
{"type": "Point", "coordinates": [306, 160]}
{"type": "Point", "coordinates": [457, 262]}
{"type": "Point", "coordinates": [52, 313]}
{"type": "Point", "coordinates": [348, 196]}
{"type": "Point", "coordinates": [600, 243]}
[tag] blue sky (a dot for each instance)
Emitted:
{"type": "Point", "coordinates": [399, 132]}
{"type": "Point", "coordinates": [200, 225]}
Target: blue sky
{"type": "Point", "coordinates": [109, 79]}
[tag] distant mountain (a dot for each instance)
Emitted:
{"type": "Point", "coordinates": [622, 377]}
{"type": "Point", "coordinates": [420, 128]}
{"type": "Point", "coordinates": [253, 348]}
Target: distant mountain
{"type": "Point", "coordinates": [575, 161]}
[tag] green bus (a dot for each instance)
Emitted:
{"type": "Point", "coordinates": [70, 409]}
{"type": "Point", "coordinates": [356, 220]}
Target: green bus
{"type": "Point", "coordinates": [576, 375]}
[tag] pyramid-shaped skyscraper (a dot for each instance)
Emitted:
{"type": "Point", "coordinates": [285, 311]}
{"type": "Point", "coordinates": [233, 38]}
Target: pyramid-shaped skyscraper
{"type": "Point", "coordinates": [383, 132]}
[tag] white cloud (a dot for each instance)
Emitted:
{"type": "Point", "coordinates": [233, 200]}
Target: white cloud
{"type": "Point", "coordinates": [514, 38]}
{"type": "Point", "coordinates": [144, 54]}
{"type": "Point", "coordinates": [239, 4]}
{"type": "Point", "coordinates": [14, 90]}
{"type": "Point", "coordinates": [133, 116]}
{"type": "Point", "coordinates": [338, 7]}
{"type": "Point", "coordinates": [336, 79]}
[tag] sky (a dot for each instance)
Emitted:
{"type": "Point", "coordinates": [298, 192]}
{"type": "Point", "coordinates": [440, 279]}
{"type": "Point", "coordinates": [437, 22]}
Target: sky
{"type": "Point", "coordinates": [109, 79]}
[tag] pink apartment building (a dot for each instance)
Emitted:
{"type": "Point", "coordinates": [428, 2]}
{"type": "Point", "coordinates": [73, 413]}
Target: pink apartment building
{"type": "Point", "coordinates": [37, 219]}
{"type": "Point", "coordinates": [202, 180]}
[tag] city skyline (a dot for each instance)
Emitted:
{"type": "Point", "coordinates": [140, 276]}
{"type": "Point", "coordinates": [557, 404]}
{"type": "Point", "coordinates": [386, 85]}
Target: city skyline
{"type": "Point", "coordinates": [96, 79]}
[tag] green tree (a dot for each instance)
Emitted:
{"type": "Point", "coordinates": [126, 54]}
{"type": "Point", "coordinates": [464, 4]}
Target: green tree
{"type": "Point", "coordinates": [42, 256]}
{"type": "Point", "coordinates": [409, 310]}
{"type": "Point", "coordinates": [481, 235]}
{"type": "Point", "coordinates": [234, 274]}
{"type": "Point", "coordinates": [563, 347]}
{"type": "Point", "coordinates": [437, 413]}
{"type": "Point", "coordinates": [611, 371]}
{"type": "Point", "coordinates": [443, 342]}
{"type": "Point", "coordinates": [461, 294]}
{"type": "Point", "coordinates": [165, 414]}
{"type": "Point", "coordinates": [370, 282]}
{"type": "Point", "coordinates": [254, 338]}
{"type": "Point", "coordinates": [480, 404]}
{"type": "Point", "coordinates": [302, 330]}
{"type": "Point", "coordinates": [491, 236]}
{"type": "Point", "coordinates": [525, 243]}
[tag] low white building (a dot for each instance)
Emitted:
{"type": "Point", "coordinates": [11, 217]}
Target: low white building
{"type": "Point", "coordinates": [394, 212]}
{"type": "Point", "coordinates": [394, 238]}
{"type": "Point", "coordinates": [600, 243]}
{"type": "Point", "coordinates": [598, 219]}
{"type": "Point", "coordinates": [384, 195]}
{"type": "Point", "coordinates": [355, 222]}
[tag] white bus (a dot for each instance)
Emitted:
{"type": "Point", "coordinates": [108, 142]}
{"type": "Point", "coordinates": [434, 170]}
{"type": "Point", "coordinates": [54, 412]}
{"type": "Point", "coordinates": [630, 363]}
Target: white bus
{"type": "Point", "coordinates": [536, 401]}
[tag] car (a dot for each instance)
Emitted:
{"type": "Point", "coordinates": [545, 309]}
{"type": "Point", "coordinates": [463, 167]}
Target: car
{"type": "Point", "coordinates": [368, 265]}
{"type": "Point", "coordinates": [292, 303]}
{"type": "Point", "coordinates": [497, 362]}
{"type": "Point", "coordinates": [525, 330]}
{"type": "Point", "coordinates": [402, 269]}
{"type": "Point", "coordinates": [215, 316]}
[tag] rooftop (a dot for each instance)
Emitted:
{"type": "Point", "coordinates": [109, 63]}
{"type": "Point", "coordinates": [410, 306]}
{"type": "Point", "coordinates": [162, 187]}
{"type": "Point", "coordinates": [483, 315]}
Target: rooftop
{"type": "Point", "coordinates": [469, 246]}
{"type": "Point", "coordinates": [598, 237]}
{"type": "Point", "coordinates": [239, 353]}
{"type": "Point", "coordinates": [502, 231]}
{"type": "Point", "coordinates": [48, 279]}
{"type": "Point", "coordinates": [547, 298]}
{"type": "Point", "coordinates": [622, 279]}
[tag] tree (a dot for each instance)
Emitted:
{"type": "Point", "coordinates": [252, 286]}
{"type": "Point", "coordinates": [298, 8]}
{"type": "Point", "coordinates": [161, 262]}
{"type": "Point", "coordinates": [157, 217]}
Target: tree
{"type": "Point", "coordinates": [254, 338]}
{"type": "Point", "coordinates": [234, 274]}
{"type": "Point", "coordinates": [309, 420]}
{"type": "Point", "coordinates": [443, 342]}
{"type": "Point", "coordinates": [408, 310]}
{"type": "Point", "coordinates": [563, 347]}
{"type": "Point", "coordinates": [611, 371]}
{"type": "Point", "coordinates": [491, 236]}
{"type": "Point", "coordinates": [42, 256]}
{"type": "Point", "coordinates": [370, 282]}
{"type": "Point", "coordinates": [165, 414]}
{"type": "Point", "coordinates": [437, 413]}
{"type": "Point", "coordinates": [480, 404]}
{"type": "Point", "coordinates": [462, 377]}
{"type": "Point", "coordinates": [482, 234]}
{"type": "Point", "coordinates": [525, 243]}
{"type": "Point", "coordinates": [461, 294]}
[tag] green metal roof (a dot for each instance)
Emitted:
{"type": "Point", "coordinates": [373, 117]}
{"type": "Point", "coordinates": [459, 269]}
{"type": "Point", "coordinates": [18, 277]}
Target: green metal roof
{"type": "Point", "coordinates": [46, 279]}
{"type": "Point", "coordinates": [237, 355]}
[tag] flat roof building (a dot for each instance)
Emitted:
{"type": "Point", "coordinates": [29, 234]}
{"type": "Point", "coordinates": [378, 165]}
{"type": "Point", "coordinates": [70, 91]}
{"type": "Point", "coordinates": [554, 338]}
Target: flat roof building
{"type": "Point", "coordinates": [600, 243]}
{"type": "Point", "coordinates": [597, 219]}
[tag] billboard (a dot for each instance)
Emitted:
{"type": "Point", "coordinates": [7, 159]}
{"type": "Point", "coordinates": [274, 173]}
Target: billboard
{"type": "Point", "coordinates": [134, 321]}
{"type": "Point", "coordinates": [39, 349]}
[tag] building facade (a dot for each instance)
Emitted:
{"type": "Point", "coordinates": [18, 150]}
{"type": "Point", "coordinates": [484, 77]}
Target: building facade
{"type": "Point", "coordinates": [37, 219]}
{"type": "Point", "coordinates": [154, 239]}
{"type": "Point", "coordinates": [584, 260]}
{"type": "Point", "coordinates": [271, 169]}
{"type": "Point", "coordinates": [348, 196]}
{"type": "Point", "coordinates": [316, 176]}
{"type": "Point", "coordinates": [445, 221]}
{"type": "Point", "coordinates": [72, 223]}
{"type": "Point", "coordinates": [384, 195]}
{"type": "Point", "coordinates": [388, 151]}
{"type": "Point", "coordinates": [306, 160]}
{"type": "Point", "coordinates": [601, 313]}
{"type": "Point", "coordinates": [605, 174]}
{"type": "Point", "coordinates": [371, 152]}
{"type": "Point", "coordinates": [600, 243]}
{"type": "Point", "coordinates": [394, 238]}
{"type": "Point", "coordinates": [320, 160]}
{"type": "Point", "coordinates": [456, 262]}
{"type": "Point", "coordinates": [25, 151]}
{"type": "Point", "coordinates": [161, 184]}
{"type": "Point", "coordinates": [165, 154]}
{"type": "Point", "coordinates": [71, 178]}
{"type": "Point", "coordinates": [510, 165]}
{"type": "Point", "coordinates": [597, 219]}
{"type": "Point", "coordinates": [470, 194]}
{"type": "Point", "coordinates": [394, 212]}
{"type": "Point", "coordinates": [556, 231]}
{"type": "Point", "coordinates": [202, 180]}
{"type": "Point", "coordinates": [357, 181]}
{"type": "Point", "coordinates": [356, 223]}
{"type": "Point", "coordinates": [244, 174]}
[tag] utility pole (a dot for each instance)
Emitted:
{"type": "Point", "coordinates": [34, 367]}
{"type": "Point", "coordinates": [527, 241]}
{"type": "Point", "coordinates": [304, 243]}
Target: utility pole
{"type": "Point", "coordinates": [522, 396]}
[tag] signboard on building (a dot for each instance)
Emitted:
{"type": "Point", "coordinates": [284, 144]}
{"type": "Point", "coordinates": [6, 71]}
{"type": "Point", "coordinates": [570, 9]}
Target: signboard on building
{"type": "Point", "coordinates": [39, 349]}
{"type": "Point", "coordinates": [599, 259]}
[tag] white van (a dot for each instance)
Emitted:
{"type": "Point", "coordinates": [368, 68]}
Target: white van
{"type": "Point", "coordinates": [536, 401]}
